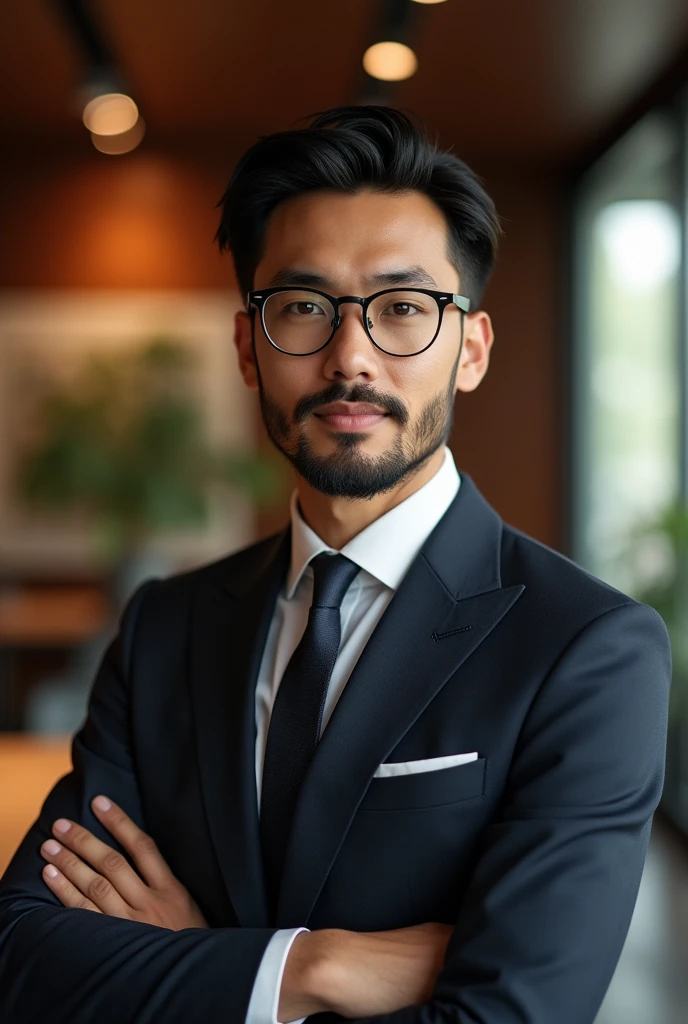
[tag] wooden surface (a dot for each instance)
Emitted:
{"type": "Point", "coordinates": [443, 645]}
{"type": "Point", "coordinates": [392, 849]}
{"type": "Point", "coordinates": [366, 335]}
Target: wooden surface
{"type": "Point", "coordinates": [29, 767]}
{"type": "Point", "coordinates": [51, 616]}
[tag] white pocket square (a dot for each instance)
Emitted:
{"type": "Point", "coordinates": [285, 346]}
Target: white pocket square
{"type": "Point", "coordinates": [430, 764]}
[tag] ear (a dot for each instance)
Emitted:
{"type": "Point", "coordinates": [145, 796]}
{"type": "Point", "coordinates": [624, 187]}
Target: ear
{"type": "Point", "coordinates": [242, 340]}
{"type": "Point", "coordinates": [478, 337]}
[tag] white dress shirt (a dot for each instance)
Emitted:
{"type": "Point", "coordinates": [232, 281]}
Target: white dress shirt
{"type": "Point", "coordinates": [384, 550]}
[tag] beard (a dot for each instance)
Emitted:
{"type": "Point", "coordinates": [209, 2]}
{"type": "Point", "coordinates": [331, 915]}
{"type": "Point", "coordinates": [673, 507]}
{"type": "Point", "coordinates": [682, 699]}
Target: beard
{"type": "Point", "coordinates": [348, 472]}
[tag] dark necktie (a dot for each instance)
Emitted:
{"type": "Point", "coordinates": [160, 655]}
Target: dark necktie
{"type": "Point", "coordinates": [297, 713]}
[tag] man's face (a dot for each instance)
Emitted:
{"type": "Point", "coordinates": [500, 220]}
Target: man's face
{"type": "Point", "coordinates": [351, 243]}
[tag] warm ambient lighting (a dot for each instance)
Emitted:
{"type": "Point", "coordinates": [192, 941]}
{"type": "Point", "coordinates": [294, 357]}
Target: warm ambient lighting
{"type": "Point", "coordinates": [111, 113]}
{"type": "Point", "coordinates": [429, 1]}
{"type": "Point", "coordinates": [115, 145]}
{"type": "Point", "coordinates": [390, 62]}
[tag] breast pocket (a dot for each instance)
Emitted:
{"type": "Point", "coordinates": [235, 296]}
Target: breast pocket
{"type": "Point", "coordinates": [426, 789]}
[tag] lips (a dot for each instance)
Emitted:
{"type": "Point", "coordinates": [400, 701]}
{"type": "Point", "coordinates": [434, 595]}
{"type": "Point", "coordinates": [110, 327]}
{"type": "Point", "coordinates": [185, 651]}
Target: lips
{"type": "Point", "coordinates": [351, 409]}
{"type": "Point", "coordinates": [351, 417]}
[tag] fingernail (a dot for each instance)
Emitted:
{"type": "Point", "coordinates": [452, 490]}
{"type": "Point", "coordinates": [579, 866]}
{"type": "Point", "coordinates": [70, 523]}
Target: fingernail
{"type": "Point", "coordinates": [51, 847]}
{"type": "Point", "coordinates": [62, 825]}
{"type": "Point", "coordinates": [102, 803]}
{"type": "Point", "coordinates": [51, 870]}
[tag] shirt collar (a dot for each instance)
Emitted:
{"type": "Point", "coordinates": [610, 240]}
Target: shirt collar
{"type": "Point", "coordinates": [385, 548]}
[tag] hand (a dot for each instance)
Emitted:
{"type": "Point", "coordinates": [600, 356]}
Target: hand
{"type": "Point", "coordinates": [361, 974]}
{"type": "Point", "coordinates": [93, 876]}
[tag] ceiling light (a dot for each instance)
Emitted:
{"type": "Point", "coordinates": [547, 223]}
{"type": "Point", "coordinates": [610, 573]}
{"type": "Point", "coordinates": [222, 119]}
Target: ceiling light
{"type": "Point", "coordinates": [111, 113]}
{"type": "Point", "coordinates": [429, 1]}
{"type": "Point", "coordinates": [115, 145]}
{"type": "Point", "coordinates": [390, 62]}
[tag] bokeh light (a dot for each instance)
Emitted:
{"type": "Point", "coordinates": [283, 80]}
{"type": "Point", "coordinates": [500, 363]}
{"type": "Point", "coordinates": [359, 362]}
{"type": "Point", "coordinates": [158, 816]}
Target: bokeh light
{"type": "Point", "coordinates": [390, 62]}
{"type": "Point", "coordinates": [110, 113]}
{"type": "Point", "coordinates": [642, 241]}
{"type": "Point", "coordinates": [115, 145]}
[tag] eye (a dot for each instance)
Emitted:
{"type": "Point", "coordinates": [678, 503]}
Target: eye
{"type": "Point", "coordinates": [306, 309]}
{"type": "Point", "coordinates": [402, 309]}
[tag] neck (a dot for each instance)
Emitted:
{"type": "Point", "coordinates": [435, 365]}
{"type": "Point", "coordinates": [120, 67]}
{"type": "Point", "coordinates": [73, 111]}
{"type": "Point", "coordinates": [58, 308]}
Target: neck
{"type": "Point", "coordinates": [338, 520]}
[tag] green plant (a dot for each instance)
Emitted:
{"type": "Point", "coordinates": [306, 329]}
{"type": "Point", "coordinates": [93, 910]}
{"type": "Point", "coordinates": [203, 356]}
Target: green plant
{"type": "Point", "coordinates": [659, 552]}
{"type": "Point", "coordinates": [125, 442]}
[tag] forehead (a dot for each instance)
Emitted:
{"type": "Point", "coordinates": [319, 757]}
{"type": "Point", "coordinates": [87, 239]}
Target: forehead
{"type": "Point", "coordinates": [342, 235]}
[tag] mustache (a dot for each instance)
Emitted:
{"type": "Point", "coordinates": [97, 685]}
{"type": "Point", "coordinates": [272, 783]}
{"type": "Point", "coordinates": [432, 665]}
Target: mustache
{"type": "Point", "coordinates": [339, 392]}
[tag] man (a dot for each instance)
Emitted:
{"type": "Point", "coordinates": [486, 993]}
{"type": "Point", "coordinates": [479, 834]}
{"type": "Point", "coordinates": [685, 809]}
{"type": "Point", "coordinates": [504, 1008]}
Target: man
{"type": "Point", "coordinates": [397, 761]}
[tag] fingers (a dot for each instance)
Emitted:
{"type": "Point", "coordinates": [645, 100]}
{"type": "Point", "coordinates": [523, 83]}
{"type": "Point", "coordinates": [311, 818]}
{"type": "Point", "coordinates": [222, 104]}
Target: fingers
{"type": "Point", "coordinates": [144, 852]}
{"type": "Point", "coordinates": [93, 876]}
{"type": "Point", "coordinates": [67, 893]}
{"type": "Point", "coordinates": [99, 872]}
{"type": "Point", "coordinates": [76, 884]}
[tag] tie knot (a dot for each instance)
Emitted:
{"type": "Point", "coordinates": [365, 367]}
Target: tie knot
{"type": "Point", "coordinates": [332, 576]}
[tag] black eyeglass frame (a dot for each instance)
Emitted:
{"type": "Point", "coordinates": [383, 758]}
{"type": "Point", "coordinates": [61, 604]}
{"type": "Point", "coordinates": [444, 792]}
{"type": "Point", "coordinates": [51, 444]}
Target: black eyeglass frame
{"type": "Point", "coordinates": [259, 297]}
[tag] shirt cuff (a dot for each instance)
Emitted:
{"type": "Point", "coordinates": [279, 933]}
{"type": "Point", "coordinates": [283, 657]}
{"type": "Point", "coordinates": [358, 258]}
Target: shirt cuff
{"type": "Point", "coordinates": [262, 1008]}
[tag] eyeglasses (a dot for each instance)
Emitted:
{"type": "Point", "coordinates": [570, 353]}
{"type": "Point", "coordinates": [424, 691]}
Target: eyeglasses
{"type": "Point", "coordinates": [398, 321]}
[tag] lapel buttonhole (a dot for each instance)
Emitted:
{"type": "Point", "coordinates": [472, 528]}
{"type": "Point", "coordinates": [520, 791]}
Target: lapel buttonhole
{"type": "Point", "coordinates": [440, 636]}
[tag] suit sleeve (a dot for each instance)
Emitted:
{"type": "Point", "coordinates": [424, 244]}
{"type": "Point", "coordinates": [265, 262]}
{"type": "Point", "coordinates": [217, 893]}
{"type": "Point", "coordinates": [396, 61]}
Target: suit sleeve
{"type": "Point", "coordinates": [551, 897]}
{"type": "Point", "coordinates": [74, 966]}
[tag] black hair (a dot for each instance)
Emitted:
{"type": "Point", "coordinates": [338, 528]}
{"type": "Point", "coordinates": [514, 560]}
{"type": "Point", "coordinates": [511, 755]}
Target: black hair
{"type": "Point", "coordinates": [348, 149]}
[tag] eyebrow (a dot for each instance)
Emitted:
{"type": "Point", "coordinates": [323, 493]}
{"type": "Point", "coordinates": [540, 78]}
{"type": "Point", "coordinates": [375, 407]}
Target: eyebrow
{"type": "Point", "coordinates": [295, 277]}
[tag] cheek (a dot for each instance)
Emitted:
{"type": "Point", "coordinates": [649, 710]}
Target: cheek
{"type": "Point", "coordinates": [288, 379]}
{"type": "Point", "coordinates": [419, 378]}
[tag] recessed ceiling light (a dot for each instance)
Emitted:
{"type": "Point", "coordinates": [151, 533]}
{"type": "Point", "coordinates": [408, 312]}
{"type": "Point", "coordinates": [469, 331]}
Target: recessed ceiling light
{"type": "Point", "coordinates": [390, 62]}
{"type": "Point", "coordinates": [110, 113]}
{"type": "Point", "coordinates": [115, 145]}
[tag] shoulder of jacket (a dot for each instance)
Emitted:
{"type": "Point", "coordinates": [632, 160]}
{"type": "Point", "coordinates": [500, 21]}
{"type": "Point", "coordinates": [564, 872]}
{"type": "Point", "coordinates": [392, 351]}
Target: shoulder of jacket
{"type": "Point", "coordinates": [175, 590]}
{"type": "Point", "coordinates": [555, 579]}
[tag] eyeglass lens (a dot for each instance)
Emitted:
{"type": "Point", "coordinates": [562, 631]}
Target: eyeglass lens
{"type": "Point", "coordinates": [400, 322]}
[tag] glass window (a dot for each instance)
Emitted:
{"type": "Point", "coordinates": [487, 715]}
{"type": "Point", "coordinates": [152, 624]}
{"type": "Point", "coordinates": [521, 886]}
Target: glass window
{"type": "Point", "coordinates": [626, 351]}
{"type": "Point", "coordinates": [630, 407]}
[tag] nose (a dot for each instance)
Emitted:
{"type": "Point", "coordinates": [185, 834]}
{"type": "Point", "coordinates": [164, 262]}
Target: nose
{"type": "Point", "coordinates": [350, 353]}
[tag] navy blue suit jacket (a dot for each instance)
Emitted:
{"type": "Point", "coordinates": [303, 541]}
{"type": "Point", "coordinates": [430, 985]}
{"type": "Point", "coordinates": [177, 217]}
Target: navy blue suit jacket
{"type": "Point", "coordinates": [533, 853]}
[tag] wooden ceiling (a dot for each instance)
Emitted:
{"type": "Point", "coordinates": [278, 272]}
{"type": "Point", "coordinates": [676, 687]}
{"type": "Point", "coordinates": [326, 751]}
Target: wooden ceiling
{"type": "Point", "coordinates": [529, 80]}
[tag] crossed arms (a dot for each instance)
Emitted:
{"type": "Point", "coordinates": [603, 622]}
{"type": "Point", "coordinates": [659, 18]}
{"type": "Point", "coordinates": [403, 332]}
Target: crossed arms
{"type": "Point", "coordinates": [332, 969]}
{"type": "Point", "coordinates": [541, 927]}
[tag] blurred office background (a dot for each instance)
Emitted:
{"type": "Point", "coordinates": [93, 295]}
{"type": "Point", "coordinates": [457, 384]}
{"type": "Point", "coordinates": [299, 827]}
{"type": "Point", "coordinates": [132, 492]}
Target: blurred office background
{"type": "Point", "coordinates": [128, 446]}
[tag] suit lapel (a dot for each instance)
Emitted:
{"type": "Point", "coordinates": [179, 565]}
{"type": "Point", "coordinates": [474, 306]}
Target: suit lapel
{"type": "Point", "coordinates": [448, 602]}
{"type": "Point", "coordinates": [229, 634]}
